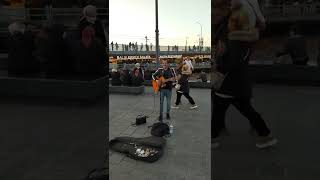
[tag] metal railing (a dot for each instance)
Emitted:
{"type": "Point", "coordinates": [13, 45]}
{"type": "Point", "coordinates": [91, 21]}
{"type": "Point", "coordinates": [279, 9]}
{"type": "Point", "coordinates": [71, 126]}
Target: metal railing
{"type": "Point", "coordinates": [154, 66]}
{"type": "Point", "coordinates": [292, 11]}
{"type": "Point", "coordinates": [47, 14]}
{"type": "Point", "coordinates": [151, 48]}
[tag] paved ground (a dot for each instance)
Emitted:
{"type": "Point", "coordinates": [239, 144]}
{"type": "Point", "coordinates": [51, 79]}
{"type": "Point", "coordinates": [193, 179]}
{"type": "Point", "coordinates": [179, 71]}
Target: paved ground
{"type": "Point", "coordinates": [293, 114]}
{"type": "Point", "coordinates": [44, 141]}
{"type": "Point", "coordinates": [49, 141]}
{"type": "Point", "coordinates": [187, 153]}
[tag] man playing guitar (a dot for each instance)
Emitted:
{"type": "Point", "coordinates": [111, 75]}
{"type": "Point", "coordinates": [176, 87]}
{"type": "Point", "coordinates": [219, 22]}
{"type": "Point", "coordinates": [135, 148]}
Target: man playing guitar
{"type": "Point", "coordinates": [165, 76]}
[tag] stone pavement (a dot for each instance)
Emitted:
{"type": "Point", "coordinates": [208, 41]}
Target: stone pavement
{"type": "Point", "coordinates": [42, 140]}
{"type": "Point", "coordinates": [293, 115]}
{"type": "Point", "coordinates": [187, 153]}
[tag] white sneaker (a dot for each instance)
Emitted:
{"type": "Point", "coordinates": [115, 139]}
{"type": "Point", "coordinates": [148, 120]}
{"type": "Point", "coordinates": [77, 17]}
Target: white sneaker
{"type": "Point", "coordinates": [194, 106]}
{"type": "Point", "coordinates": [215, 143]}
{"type": "Point", "coordinates": [175, 107]}
{"type": "Point", "coordinates": [265, 142]}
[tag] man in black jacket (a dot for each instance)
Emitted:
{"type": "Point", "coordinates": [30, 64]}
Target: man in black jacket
{"type": "Point", "coordinates": [165, 86]}
{"type": "Point", "coordinates": [21, 46]}
{"type": "Point", "coordinates": [115, 78]}
{"type": "Point", "coordinates": [296, 47]}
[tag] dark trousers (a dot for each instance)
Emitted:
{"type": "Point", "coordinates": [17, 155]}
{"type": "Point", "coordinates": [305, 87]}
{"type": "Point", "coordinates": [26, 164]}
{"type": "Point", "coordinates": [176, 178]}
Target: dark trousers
{"type": "Point", "coordinates": [187, 95]}
{"type": "Point", "coordinates": [219, 107]}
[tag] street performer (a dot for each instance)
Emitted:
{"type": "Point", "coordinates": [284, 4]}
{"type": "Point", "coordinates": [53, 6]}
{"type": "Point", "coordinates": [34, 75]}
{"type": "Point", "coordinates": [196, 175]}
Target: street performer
{"type": "Point", "coordinates": [166, 76]}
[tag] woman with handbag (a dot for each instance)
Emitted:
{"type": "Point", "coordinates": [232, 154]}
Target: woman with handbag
{"type": "Point", "coordinates": [235, 87]}
{"type": "Point", "coordinates": [182, 86]}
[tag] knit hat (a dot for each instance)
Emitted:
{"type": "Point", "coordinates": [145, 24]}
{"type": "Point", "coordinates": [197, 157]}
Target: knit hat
{"type": "Point", "coordinates": [90, 11]}
{"type": "Point", "coordinates": [16, 27]}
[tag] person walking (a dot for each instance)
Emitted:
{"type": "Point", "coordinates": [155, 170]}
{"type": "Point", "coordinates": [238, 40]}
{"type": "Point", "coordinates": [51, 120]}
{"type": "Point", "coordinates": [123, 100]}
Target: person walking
{"type": "Point", "coordinates": [236, 88]}
{"type": "Point", "coordinates": [183, 73]}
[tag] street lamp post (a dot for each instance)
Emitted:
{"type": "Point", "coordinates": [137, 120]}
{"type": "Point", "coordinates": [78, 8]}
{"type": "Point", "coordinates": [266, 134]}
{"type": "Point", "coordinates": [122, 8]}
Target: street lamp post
{"type": "Point", "coordinates": [186, 43]}
{"type": "Point", "coordinates": [157, 34]}
{"type": "Point", "coordinates": [200, 41]}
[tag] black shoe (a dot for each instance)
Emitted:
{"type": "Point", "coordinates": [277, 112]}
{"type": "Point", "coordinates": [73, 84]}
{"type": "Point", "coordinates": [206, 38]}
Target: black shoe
{"type": "Point", "coordinates": [168, 116]}
{"type": "Point", "coordinates": [252, 132]}
{"type": "Point", "coordinates": [224, 132]}
{"type": "Point", "coordinates": [160, 118]}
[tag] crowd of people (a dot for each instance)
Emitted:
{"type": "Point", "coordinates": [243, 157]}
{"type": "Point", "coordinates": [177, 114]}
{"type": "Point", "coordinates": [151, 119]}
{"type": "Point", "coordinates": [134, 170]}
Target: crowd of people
{"type": "Point", "coordinates": [131, 46]}
{"type": "Point", "coordinates": [56, 52]}
{"type": "Point", "coordinates": [128, 77]}
{"type": "Point", "coordinates": [289, 2]}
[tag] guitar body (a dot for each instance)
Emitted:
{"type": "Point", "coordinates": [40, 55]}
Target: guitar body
{"type": "Point", "coordinates": [159, 83]}
{"type": "Point", "coordinates": [162, 81]}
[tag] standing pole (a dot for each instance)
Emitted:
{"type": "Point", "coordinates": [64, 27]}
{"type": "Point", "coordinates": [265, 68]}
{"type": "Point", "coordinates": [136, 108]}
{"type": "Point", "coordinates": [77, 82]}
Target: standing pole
{"type": "Point", "coordinates": [186, 43]}
{"type": "Point", "coordinates": [200, 42]}
{"type": "Point", "coordinates": [157, 35]}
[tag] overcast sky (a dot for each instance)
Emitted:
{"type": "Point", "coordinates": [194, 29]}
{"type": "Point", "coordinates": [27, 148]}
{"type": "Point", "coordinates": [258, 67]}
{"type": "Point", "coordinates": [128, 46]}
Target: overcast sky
{"type": "Point", "coordinates": [132, 20]}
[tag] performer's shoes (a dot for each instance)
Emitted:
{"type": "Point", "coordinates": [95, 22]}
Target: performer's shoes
{"type": "Point", "coordinates": [214, 143]}
{"type": "Point", "coordinates": [266, 141]}
{"type": "Point", "coordinates": [175, 107]}
{"type": "Point", "coordinates": [224, 132]}
{"type": "Point", "coordinates": [194, 106]}
{"type": "Point", "coordinates": [160, 118]}
{"type": "Point", "coordinates": [252, 132]}
{"type": "Point", "coordinates": [168, 116]}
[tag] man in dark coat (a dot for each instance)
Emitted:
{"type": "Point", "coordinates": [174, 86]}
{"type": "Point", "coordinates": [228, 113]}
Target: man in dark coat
{"type": "Point", "coordinates": [115, 78]}
{"type": "Point", "coordinates": [90, 56]}
{"type": "Point", "coordinates": [57, 63]}
{"type": "Point", "coordinates": [137, 77]}
{"type": "Point", "coordinates": [296, 47]}
{"type": "Point", "coordinates": [21, 46]}
{"type": "Point", "coordinates": [125, 77]}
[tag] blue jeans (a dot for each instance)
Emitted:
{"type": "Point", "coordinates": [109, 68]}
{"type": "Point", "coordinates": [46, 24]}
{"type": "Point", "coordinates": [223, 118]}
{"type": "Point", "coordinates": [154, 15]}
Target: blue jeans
{"type": "Point", "coordinates": [165, 93]}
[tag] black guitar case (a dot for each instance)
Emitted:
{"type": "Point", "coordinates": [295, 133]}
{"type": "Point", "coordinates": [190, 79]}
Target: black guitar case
{"type": "Point", "coordinates": [148, 149]}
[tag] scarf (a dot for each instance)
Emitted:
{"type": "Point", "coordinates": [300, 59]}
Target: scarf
{"type": "Point", "coordinates": [87, 36]}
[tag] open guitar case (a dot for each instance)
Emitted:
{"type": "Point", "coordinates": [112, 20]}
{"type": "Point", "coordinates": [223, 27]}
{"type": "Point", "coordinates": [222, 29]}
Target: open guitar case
{"type": "Point", "coordinates": [149, 149]}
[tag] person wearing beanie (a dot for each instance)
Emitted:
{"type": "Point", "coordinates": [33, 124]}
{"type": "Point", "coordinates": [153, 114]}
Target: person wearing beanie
{"type": "Point", "coordinates": [89, 18]}
{"type": "Point", "coordinates": [141, 71]}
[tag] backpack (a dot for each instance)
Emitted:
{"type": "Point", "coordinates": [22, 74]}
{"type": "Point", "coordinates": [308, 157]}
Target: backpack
{"type": "Point", "coordinates": [160, 129]}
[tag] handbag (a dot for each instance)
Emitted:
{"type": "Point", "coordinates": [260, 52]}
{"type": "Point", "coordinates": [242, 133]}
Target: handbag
{"type": "Point", "coordinates": [140, 119]}
{"type": "Point", "coordinates": [177, 86]}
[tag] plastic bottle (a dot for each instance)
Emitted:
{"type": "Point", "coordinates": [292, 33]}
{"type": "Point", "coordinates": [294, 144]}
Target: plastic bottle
{"type": "Point", "coordinates": [171, 128]}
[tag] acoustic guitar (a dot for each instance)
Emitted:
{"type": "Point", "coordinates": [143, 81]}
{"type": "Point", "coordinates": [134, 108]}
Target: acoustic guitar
{"type": "Point", "coordinates": [162, 81]}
